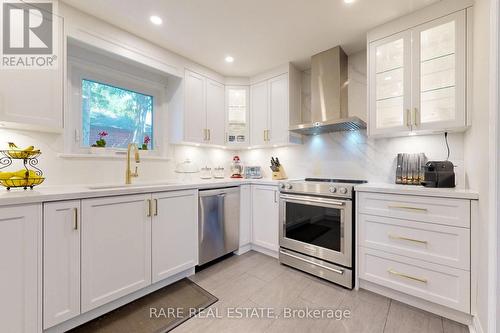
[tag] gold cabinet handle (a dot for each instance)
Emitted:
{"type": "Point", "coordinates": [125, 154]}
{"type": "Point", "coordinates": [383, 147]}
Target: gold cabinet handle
{"type": "Point", "coordinates": [268, 135]}
{"type": "Point", "coordinates": [406, 276]}
{"type": "Point", "coordinates": [156, 207]}
{"type": "Point", "coordinates": [414, 117]}
{"type": "Point", "coordinates": [408, 239]}
{"type": "Point", "coordinates": [149, 208]}
{"type": "Point", "coordinates": [209, 134]}
{"type": "Point", "coordinates": [408, 207]}
{"type": "Point", "coordinates": [408, 118]}
{"type": "Point", "coordinates": [75, 218]}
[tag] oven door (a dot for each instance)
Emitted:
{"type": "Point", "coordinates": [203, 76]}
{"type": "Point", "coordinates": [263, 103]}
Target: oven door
{"type": "Point", "coordinates": [318, 227]}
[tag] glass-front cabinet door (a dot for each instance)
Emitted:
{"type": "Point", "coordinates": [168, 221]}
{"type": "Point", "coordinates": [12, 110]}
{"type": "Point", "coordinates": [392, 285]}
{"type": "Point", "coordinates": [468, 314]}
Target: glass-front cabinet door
{"type": "Point", "coordinates": [237, 115]}
{"type": "Point", "coordinates": [439, 70]}
{"type": "Point", "coordinates": [390, 85]}
{"type": "Point", "coordinates": [417, 78]}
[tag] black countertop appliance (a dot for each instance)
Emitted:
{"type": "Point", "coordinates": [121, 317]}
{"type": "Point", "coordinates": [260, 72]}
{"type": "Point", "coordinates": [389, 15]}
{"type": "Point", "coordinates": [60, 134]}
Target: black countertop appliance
{"type": "Point", "coordinates": [439, 174]}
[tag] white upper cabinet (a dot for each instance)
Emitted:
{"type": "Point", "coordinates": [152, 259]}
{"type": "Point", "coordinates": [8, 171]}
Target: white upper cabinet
{"type": "Point", "coordinates": [32, 99]}
{"type": "Point", "coordinates": [390, 83]}
{"type": "Point", "coordinates": [259, 114]}
{"type": "Point", "coordinates": [205, 111]}
{"type": "Point", "coordinates": [278, 106]}
{"type": "Point", "coordinates": [274, 107]}
{"type": "Point", "coordinates": [203, 115]}
{"type": "Point", "coordinates": [194, 109]}
{"type": "Point", "coordinates": [215, 112]}
{"type": "Point", "coordinates": [438, 73]}
{"type": "Point", "coordinates": [237, 115]}
{"type": "Point", "coordinates": [417, 78]}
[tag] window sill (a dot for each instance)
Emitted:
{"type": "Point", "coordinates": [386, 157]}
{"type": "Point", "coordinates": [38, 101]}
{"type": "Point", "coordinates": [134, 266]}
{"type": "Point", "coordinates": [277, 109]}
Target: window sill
{"type": "Point", "coordinates": [110, 156]}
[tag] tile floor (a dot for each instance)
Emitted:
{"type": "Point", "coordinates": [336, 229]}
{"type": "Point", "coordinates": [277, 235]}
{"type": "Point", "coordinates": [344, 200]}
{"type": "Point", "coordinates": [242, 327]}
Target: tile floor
{"type": "Point", "coordinates": [254, 282]}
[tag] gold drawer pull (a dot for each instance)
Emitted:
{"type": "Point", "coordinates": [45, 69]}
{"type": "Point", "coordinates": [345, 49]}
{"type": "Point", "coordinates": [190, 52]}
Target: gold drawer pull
{"type": "Point", "coordinates": [149, 203]}
{"type": "Point", "coordinates": [408, 118]}
{"type": "Point", "coordinates": [408, 239]}
{"type": "Point", "coordinates": [75, 218]}
{"type": "Point", "coordinates": [406, 276]}
{"type": "Point", "coordinates": [408, 207]}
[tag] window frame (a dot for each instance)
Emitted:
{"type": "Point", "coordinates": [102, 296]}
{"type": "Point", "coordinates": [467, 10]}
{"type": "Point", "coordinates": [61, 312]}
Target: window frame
{"type": "Point", "coordinates": [79, 70]}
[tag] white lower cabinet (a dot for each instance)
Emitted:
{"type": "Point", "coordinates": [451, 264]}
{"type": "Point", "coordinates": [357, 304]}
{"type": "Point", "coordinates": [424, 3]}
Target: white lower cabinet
{"type": "Point", "coordinates": [20, 277]}
{"type": "Point", "coordinates": [265, 217]}
{"type": "Point", "coordinates": [432, 282]}
{"type": "Point", "coordinates": [116, 248]}
{"type": "Point", "coordinates": [416, 245]}
{"type": "Point", "coordinates": [245, 215]}
{"type": "Point", "coordinates": [174, 233]}
{"type": "Point", "coordinates": [440, 244]}
{"type": "Point", "coordinates": [61, 261]}
{"type": "Point", "coordinates": [98, 250]}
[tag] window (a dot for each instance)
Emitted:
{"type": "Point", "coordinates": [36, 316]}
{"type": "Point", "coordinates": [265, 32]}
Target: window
{"type": "Point", "coordinates": [126, 102]}
{"type": "Point", "coordinates": [125, 115]}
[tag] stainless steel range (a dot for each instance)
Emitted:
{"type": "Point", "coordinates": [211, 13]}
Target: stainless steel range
{"type": "Point", "coordinates": [317, 227]}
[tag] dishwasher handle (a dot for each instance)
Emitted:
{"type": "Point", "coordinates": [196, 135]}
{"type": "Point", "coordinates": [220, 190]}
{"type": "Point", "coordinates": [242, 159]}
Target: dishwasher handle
{"type": "Point", "coordinates": [224, 190]}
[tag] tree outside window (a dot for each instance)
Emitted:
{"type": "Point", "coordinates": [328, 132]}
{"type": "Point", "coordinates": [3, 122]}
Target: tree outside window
{"type": "Point", "coordinates": [127, 116]}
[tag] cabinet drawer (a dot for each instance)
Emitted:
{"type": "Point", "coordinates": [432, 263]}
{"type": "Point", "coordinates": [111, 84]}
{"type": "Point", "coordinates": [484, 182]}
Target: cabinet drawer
{"type": "Point", "coordinates": [429, 242]}
{"type": "Point", "coordinates": [435, 283]}
{"type": "Point", "coordinates": [454, 212]}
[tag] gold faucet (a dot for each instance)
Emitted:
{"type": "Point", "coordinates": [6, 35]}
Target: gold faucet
{"type": "Point", "coordinates": [128, 173]}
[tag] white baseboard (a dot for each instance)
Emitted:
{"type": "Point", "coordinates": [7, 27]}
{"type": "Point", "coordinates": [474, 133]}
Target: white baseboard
{"type": "Point", "coordinates": [92, 314]}
{"type": "Point", "coordinates": [475, 326]}
{"type": "Point", "coordinates": [264, 250]}
{"type": "Point", "coordinates": [243, 249]}
{"type": "Point", "coordinates": [461, 317]}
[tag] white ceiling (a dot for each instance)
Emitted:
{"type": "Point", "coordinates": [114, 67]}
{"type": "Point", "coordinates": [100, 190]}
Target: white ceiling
{"type": "Point", "coordinates": [259, 34]}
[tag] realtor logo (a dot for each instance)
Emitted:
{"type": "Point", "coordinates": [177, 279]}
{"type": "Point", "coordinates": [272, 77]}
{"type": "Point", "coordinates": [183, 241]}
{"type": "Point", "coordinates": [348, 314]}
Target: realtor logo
{"type": "Point", "coordinates": [28, 30]}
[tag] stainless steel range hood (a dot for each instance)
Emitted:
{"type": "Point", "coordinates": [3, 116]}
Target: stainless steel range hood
{"type": "Point", "coordinates": [329, 83]}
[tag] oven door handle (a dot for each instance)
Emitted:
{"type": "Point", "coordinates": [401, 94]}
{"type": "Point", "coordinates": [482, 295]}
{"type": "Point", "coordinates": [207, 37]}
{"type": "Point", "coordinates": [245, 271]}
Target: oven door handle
{"type": "Point", "coordinates": [338, 271]}
{"type": "Point", "coordinates": [306, 199]}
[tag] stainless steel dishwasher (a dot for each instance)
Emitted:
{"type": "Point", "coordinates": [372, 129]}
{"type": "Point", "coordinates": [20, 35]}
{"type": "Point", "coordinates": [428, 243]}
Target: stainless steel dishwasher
{"type": "Point", "coordinates": [218, 223]}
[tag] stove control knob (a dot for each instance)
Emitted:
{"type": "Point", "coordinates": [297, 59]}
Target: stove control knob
{"type": "Point", "coordinates": [332, 189]}
{"type": "Point", "coordinates": [343, 190]}
{"type": "Point", "coordinates": [288, 186]}
{"type": "Point", "coordinates": [282, 186]}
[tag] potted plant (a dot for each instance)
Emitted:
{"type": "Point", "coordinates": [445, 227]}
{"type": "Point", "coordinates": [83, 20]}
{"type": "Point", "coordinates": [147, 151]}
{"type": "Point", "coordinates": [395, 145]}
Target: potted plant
{"type": "Point", "coordinates": [147, 140]}
{"type": "Point", "coordinates": [99, 147]}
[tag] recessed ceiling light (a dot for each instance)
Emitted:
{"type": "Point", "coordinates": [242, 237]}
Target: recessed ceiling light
{"type": "Point", "coordinates": [155, 19]}
{"type": "Point", "coordinates": [349, 1]}
{"type": "Point", "coordinates": [229, 59]}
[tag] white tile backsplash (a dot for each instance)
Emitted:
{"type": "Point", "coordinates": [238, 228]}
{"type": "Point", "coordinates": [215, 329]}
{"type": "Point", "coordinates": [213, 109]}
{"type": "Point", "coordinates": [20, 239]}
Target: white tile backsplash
{"type": "Point", "coordinates": [353, 155]}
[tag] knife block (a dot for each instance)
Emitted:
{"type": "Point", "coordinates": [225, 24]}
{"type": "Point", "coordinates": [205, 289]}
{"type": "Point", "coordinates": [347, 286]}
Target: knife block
{"type": "Point", "coordinates": [280, 174]}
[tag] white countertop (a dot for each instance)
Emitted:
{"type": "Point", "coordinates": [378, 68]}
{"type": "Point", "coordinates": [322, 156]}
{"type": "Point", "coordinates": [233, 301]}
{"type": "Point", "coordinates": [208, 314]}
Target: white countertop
{"type": "Point", "coordinates": [418, 190]}
{"type": "Point", "coordinates": [69, 192]}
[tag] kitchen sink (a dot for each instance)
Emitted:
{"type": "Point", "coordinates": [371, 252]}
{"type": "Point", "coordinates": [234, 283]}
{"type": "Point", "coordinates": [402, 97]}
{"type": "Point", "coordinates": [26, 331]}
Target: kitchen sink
{"type": "Point", "coordinates": [119, 186]}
